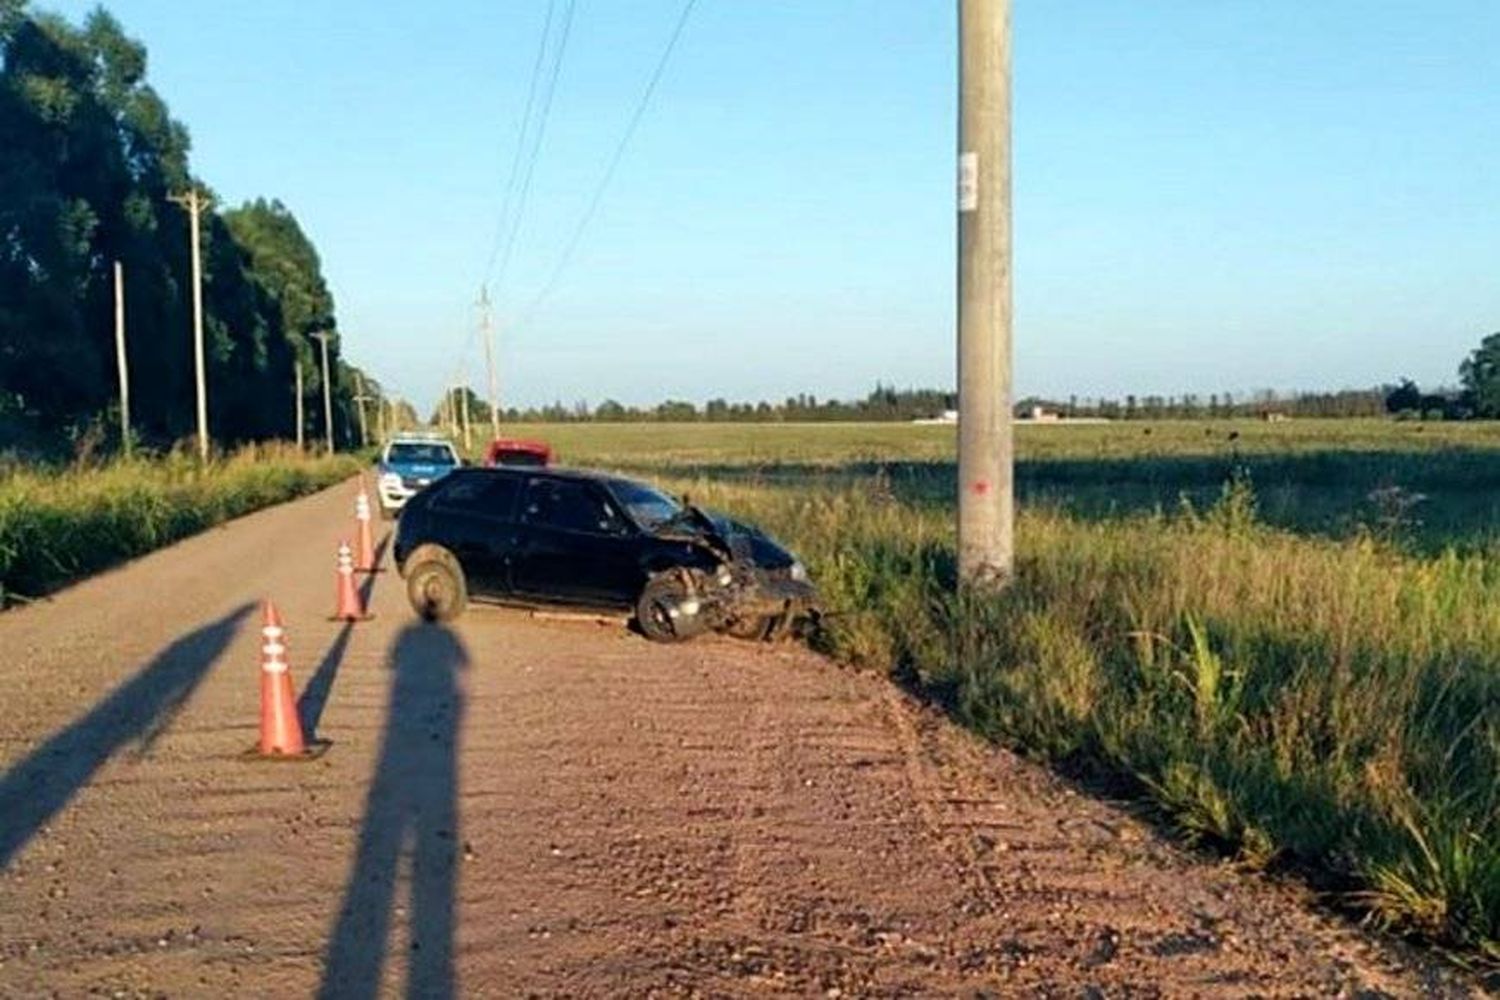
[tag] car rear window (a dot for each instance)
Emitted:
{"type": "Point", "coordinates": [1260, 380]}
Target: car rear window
{"type": "Point", "coordinates": [516, 456]}
{"type": "Point", "coordinates": [490, 496]}
{"type": "Point", "coordinates": [416, 453]}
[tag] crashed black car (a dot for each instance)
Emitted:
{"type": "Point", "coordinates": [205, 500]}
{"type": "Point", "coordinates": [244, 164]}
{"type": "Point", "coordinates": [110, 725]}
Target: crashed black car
{"type": "Point", "coordinates": [554, 536]}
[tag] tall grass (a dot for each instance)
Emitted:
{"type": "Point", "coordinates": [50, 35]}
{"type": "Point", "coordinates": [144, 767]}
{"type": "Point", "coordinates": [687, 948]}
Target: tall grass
{"type": "Point", "coordinates": [1335, 705]}
{"type": "Point", "coordinates": [58, 525]}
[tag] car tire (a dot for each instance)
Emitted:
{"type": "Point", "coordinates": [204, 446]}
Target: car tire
{"type": "Point", "coordinates": [653, 609]}
{"type": "Point", "coordinates": [435, 584]}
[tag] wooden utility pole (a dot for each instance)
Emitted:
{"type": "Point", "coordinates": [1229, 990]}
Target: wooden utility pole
{"type": "Point", "coordinates": [301, 420]}
{"type": "Point", "coordinates": [986, 502]}
{"type": "Point", "coordinates": [359, 401]}
{"type": "Point", "coordinates": [195, 204]}
{"type": "Point", "coordinates": [327, 391]}
{"type": "Point", "coordinates": [463, 415]}
{"type": "Point", "coordinates": [124, 369]}
{"type": "Point", "coordinates": [488, 332]}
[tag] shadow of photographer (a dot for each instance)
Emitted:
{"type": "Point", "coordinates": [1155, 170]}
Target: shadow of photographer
{"type": "Point", "coordinates": [410, 828]}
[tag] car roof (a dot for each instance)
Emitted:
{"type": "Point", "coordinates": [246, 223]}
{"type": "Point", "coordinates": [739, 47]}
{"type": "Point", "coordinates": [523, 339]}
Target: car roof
{"type": "Point", "coordinates": [419, 438]}
{"type": "Point", "coordinates": [547, 472]}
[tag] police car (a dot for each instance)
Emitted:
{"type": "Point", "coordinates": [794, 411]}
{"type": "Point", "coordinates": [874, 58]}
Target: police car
{"type": "Point", "coordinates": [410, 463]}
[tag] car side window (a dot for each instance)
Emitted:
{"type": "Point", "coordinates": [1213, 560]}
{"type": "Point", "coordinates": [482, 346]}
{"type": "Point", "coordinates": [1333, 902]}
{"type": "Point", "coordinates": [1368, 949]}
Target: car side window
{"type": "Point", "coordinates": [568, 507]}
{"type": "Point", "coordinates": [489, 496]}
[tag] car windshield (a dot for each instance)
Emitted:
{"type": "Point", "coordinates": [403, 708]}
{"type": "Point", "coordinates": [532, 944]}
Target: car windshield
{"type": "Point", "coordinates": [650, 508]}
{"type": "Point", "coordinates": [417, 453]}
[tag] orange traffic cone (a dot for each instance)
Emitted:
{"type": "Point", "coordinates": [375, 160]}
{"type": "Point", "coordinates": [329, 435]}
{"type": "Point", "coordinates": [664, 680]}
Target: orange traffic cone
{"type": "Point", "coordinates": [350, 607]}
{"type": "Point", "coordinates": [280, 729]}
{"type": "Point", "coordinates": [366, 563]}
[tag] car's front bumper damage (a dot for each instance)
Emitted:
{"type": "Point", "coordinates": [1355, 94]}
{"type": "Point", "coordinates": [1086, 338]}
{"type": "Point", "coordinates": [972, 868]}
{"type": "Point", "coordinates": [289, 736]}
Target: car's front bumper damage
{"type": "Point", "coordinates": [751, 602]}
{"type": "Point", "coordinates": [783, 604]}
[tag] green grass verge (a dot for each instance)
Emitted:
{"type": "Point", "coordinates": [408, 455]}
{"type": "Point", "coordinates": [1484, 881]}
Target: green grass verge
{"type": "Point", "coordinates": [57, 526]}
{"type": "Point", "coordinates": [1335, 705]}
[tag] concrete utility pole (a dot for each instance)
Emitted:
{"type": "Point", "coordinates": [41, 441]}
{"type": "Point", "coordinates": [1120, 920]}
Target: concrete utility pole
{"type": "Point", "coordinates": [297, 367]}
{"type": "Point", "coordinates": [124, 369]}
{"type": "Point", "coordinates": [327, 391]}
{"type": "Point", "coordinates": [488, 331]}
{"type": "Point", "coordinates": [986, 502]}
{"type": "Point", "coordinates": [195, 206]}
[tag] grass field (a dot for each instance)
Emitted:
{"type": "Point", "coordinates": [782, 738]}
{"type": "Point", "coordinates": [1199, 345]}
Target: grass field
{"type": "Point", "coordinates": [1285, 635]}
{"type": "Point", "coordinates": [58, 525]}
{"type": "Point", "coordinates": [1428, 486]}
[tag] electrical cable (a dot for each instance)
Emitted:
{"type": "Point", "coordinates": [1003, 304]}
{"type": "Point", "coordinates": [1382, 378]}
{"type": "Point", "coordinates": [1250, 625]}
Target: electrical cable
{"type": "Point", "coordinates": [614, 163]}
{"type": "Point", "coordinates": [515, 163]}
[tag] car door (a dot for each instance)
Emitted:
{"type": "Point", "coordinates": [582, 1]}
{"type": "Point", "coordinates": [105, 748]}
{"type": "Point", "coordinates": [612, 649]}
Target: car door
{"type": "Point", "coordinates": [476, 514]}
{"type": "Point", "coordinates": [574, 546]}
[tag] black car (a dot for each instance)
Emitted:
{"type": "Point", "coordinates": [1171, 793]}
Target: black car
{"type": "Point", "coordinates": [535, 536]}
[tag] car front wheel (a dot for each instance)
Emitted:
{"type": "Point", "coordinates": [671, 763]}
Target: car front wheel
{"type": "Point", "coordinates": [666, 611]}
{"type": "Point", "coordinates": [435, 584]}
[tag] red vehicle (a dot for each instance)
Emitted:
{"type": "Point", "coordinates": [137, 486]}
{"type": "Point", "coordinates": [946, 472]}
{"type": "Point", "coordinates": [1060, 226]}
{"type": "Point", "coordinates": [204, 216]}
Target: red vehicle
{"type": "Point", "coordinates": [513, 451]}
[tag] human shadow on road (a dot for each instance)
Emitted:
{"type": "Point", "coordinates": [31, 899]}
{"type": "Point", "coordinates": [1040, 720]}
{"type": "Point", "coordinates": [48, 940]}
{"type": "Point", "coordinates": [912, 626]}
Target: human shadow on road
{"type": "Point", "coordinates": [320, 685]}
{"type": "Point", "coordinates": [38, 787]}
{"type": "Point", "coordinates": [411, 822]}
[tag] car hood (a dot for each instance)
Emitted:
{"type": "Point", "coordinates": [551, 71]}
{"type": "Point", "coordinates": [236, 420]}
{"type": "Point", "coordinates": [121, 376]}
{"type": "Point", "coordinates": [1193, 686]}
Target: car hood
{"type": "Point", "coordinates": [735, 539]}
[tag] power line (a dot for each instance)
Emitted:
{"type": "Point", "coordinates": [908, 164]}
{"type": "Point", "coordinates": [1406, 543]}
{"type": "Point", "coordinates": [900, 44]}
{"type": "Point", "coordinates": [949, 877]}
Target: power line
{"type": "Point", "coordinates": [541, 131]}
{"type": "Point", "coordinates": [515, 163]}
{"type": "Point", "coordinates": [614, 163]}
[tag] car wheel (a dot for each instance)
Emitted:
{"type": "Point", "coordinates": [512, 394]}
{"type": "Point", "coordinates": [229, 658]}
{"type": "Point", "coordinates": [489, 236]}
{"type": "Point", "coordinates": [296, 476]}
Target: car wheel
{"type": "Point", "coordinates": [660, 610]}
{"type": "Point", "coordinates": [435, 584]}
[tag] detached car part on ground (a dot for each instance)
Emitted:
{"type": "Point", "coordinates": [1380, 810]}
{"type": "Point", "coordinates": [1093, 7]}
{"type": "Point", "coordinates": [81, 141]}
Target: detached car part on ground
{"type": "Point", "coordinates": [545, 536]}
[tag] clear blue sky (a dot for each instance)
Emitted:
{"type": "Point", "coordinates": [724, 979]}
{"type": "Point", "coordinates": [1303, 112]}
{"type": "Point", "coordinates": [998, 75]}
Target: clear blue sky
{"type": "Point", "coordinates": [1209, 195]}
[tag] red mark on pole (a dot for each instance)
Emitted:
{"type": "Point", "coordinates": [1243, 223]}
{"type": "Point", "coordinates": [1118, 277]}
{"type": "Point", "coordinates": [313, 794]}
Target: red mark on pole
{"type": "Point", "coordinates": [980, 488]}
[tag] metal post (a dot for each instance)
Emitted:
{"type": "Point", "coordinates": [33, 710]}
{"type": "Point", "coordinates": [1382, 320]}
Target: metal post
{"type": "Point", "coordinates": [120, 363]}
{"type": "Point", "coordinates": [986, 504]}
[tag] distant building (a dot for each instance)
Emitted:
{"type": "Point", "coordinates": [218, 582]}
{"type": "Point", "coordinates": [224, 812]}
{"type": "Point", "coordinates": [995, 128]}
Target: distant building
{"type": "Point", "coordinates": [946, 417]}
{"type": "Point", "coordinates": [1039, 415]}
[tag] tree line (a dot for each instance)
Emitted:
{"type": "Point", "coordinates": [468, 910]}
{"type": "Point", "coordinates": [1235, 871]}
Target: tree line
{"type": "Point", "coordinates": [1476, 398]}
{"type": "Point", "coordinates": [885, 403]}
{"type": "Point", "coordinates": [90, 161]}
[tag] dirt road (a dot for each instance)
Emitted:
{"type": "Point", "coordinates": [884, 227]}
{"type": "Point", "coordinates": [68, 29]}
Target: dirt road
{"type": "Point", "coordinates": [515, 807]}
